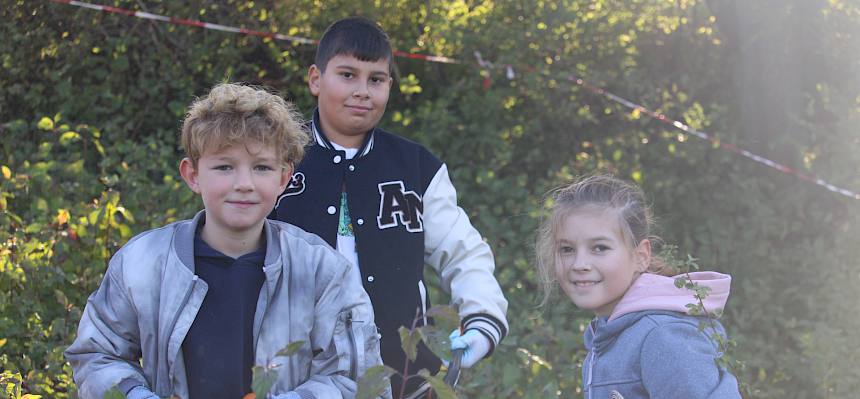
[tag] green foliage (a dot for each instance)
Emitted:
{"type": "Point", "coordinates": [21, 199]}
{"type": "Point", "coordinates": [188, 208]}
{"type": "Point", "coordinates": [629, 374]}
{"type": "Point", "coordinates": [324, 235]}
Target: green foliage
{"type": "Point", "coordinates": [10, 387]}
{"type": "Point", "coordinates": [724, 345]}
{"type": "Point", "coordinates": [374, 382]}
{"type": "Point", "coordinates": [90, 107]}
{"type": "Point", "coordinates": [264, 377]}
{"type": "Point", "coordinates": [262, 380]}
{"type": "Point", "coordinates": [114, 393]}
{"type": "Point", "coordinates": [440, 389]}
{"type": "Point", "coordinates": [436, 337]}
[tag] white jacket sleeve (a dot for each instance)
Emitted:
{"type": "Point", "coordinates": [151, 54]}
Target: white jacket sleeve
{"type": "Point", "coordinates": [463, 260]}
{"type": "Point", "coordinates": [107, 348]}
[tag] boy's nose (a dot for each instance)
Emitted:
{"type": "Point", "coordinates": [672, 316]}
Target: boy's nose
{"type": "Point", "coordinates": [361, 91]}
{"type": "Point", "coordinates": [243, 181]}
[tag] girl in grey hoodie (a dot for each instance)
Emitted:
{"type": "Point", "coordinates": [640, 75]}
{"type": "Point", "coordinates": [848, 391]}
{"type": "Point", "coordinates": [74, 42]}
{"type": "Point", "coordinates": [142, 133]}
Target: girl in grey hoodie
{"type": "Point", "coordinates": [643, 343]}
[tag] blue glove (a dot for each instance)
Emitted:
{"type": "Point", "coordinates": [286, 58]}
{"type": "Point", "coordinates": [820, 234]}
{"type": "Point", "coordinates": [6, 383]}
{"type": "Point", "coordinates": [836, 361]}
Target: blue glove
{"type": "Point", "coordinates": [474, 344]}
{"type": "Point", "coordinates": [140, 392]}
{"type": "Point", "coordinates": [288, 395]}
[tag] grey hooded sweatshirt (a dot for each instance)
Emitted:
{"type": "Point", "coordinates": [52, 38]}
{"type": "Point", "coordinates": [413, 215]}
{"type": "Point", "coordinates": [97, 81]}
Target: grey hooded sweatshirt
{"type": "Point", "coordinates": [650, 348]}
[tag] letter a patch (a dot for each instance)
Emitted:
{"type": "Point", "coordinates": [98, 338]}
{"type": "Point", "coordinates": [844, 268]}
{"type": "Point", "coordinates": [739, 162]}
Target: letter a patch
{"type": "Point", "coordinates": [398, 206]}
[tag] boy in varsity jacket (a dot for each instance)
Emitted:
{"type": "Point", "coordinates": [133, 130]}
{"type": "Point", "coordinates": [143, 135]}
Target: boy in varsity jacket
{"type": "Point", "coordinates": [388, 205]}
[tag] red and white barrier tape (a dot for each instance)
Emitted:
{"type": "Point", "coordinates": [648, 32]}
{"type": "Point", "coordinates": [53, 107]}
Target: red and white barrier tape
{"type": "Point", "coordinates": [509, 72]}
{"type": "Point", "coordinates": [232, 29]}
{"type": "Point", "coordinates": [716, 142]}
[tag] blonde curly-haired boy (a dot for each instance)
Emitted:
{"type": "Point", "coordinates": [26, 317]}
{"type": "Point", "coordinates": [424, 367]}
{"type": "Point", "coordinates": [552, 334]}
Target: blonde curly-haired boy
{"type": "Point", "coordinates": [188, 309]}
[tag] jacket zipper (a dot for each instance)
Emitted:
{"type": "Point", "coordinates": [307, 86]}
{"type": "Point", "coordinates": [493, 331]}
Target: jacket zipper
{"type": "Point", "coordinates": [593, 357]}
{"type": "Point", "coordinates": [176, 318]}
{"type": "Point", "coordinates": [592, 354]}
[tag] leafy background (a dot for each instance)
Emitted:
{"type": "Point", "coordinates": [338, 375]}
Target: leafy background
{"type": "Point", "coordinates": [92, 102]}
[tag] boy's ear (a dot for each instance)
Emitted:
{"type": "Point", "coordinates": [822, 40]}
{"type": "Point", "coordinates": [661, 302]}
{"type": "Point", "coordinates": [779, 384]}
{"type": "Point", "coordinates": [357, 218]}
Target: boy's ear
{"type": "Point", "coordinates": [643, 255]}
{"type": "Point", "coordinates": [314, 75]}
{"type": "Point", "coordinates": [189, 174]}
{"type": "Point", "coordinates": [286, 176]}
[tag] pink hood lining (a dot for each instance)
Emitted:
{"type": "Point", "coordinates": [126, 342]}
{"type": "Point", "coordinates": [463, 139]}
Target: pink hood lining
{"type": "Point", "coordinates": [654, 292]}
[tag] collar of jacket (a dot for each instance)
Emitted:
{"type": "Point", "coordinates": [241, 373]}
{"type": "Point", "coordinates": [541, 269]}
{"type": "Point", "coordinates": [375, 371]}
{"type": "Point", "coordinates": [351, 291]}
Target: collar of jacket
{"type": "Point", "coordinates": [183, 242]}
{"type": "Point", "coordinates": [321, 140]}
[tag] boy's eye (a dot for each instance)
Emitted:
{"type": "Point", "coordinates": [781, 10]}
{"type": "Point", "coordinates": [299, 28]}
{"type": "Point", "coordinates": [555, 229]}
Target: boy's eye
{"type": "Point", "coordinates": [565, 249]}
{"type": "Point", "coordinates": [377, 79]}
{"type": "Point", "coordinates": [223, 167]}
{"type": "Point", "coordinates": [263, 168]}
{"type": "Point", "coordinates": [347, 75]}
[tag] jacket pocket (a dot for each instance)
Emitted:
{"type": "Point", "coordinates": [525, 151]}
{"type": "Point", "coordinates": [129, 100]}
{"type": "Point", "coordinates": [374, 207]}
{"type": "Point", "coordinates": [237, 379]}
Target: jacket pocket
{"type": "Point", "coordinates": [357, 343]}
{"type": "Point", "coordinates": [346, 344]}
{"type": "Point", "coordinates": [371, 357]}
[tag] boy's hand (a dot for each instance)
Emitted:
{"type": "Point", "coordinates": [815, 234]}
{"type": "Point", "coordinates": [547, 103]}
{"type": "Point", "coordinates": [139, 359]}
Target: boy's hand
{"type": "Point", "coordinates": [474, 344]}
{"type": "Point", "coordinates": [140, 392]}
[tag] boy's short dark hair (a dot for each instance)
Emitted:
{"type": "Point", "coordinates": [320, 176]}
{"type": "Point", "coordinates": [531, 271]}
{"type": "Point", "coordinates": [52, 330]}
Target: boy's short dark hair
{"type": "Point", "coordinates": [355, 36]}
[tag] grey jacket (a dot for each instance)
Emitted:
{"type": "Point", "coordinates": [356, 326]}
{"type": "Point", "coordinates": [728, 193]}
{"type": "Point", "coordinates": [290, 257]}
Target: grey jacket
{"type": "Point", "coordinates": [150, 296]}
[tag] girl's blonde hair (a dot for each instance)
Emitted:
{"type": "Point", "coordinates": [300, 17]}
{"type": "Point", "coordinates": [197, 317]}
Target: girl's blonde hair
{"type": "Point", "coordinates": [602, 192]}
{"type": "Point", "coordinates": [232, 113]}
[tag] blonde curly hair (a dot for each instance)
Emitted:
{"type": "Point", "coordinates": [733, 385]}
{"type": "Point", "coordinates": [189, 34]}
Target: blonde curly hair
{"type": "Point", "coordinates": [233, 113]}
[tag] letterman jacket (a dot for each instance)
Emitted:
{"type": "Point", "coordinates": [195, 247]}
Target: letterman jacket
{"type": "Point", "coordinates": [404, 214]}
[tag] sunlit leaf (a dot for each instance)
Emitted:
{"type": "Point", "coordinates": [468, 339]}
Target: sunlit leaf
{"type": "Point", "coordinates": [62, 216]}
{"type": "Point", "coordinates": [68, 137]}
{"type": "Point", "coordinates": [45, 123]}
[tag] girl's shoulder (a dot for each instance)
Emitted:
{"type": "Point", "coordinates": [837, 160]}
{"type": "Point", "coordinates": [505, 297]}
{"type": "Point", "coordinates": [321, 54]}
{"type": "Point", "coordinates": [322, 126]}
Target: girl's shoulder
{"type": "Point", "coordinates": [668, 331]}
{"type": "Point", "coordinates": [666, 326]}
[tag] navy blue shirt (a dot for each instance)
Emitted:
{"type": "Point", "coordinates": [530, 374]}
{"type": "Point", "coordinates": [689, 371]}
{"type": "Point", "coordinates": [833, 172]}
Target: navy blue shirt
{"type": "Point", "coordinates": [219, 347]}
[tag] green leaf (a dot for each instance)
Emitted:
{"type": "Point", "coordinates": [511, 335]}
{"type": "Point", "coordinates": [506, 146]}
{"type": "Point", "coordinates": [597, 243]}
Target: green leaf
{"type": "Point", "coordinates": [125, 231]}
{"type": "Point", "coordinates": [291, 349]}
{"type": "Point", "coordinates": [445, 317]}
{"type": "Point", "coordinates": [45, 123]}
{"type": "Point", "coordinates": [437, 339]}
{"type": "Point", "coordinates": [69, 137]}
{"type": "Point", "coordinates": [409, 342]}
{"type": "Point", "coordinates": [114, 393]}
{"type": "Point", "coordinates": [442, 390]}
{"type": "Point", "coordinates": [125, 213]}
{"type": "Point", "coordinates": [374, 382]}
{"type": "Point", "coordinates": [262, 380]}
